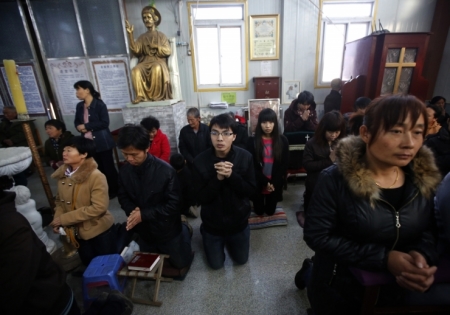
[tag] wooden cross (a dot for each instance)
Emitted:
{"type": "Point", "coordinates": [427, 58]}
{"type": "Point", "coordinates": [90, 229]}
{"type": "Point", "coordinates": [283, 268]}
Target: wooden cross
{"type": "Point", "coordinates": [399, 65]}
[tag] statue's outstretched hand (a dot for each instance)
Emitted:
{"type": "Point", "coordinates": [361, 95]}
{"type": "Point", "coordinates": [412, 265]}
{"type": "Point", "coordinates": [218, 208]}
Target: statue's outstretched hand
{"type": "Point", "coordinates": [129, 27]}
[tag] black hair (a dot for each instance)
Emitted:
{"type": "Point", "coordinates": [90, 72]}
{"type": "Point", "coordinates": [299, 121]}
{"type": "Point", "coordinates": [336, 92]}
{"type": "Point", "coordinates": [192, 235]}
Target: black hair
{"type": "Point", "coordinates": [177, 161]}
{"type": "Point", "coordinates": [361, 103]}
{"type": "Point", "coordinates": [82, 144]}
{"type": "Point", "coordinates": [193, 111]}
{"type": "Point", "coordinates": [267, 114]}
{"type": "Point", "coordinates": [437, 98]}
{"type": "Point", "coordinates": [385, 112]}
{"type": "Point", "coordinates": [58, 124]}
{"type": "Point", "coordinates": [133, 136]}
{"type": "Point", "coordinates": [13, 108]}
{"type": "Point", "coordinates": [223, 121]}
{"type": "Point", "coordinates": [355, 122]}
{"type": "Point", "coordinates": [87, 85]}
{"type": "Point", "coordinates": [149, 123]}
{"type": "Point", "coordinates": [305, 97]}
{"type": "Point", "coordinates": [331, 121]}
{"type": "Point", "coordinates": [436, 109]}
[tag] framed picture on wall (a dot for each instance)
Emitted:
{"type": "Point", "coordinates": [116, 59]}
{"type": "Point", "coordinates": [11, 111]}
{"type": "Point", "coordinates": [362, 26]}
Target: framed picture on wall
{"type": "Point", "coordinates": [290, 91]}
{"type": "Point", "coordinates": [255, 106]}
{"type": "Point", "coordinates": [264, 37]}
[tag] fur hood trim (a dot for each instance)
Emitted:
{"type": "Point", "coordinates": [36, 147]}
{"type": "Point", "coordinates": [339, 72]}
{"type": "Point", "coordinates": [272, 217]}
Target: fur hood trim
{"type": "Point", "coordinates": [81, 175]}
{"type": "Point", "coordinates": [350, 154]}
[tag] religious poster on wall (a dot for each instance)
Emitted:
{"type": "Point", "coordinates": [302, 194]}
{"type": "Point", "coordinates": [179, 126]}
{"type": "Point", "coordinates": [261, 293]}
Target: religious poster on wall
{"type": "Point", "coordinates": [30, 88]}
{"type": "Point", "coordinates": [264, 37]}
{"type": "Point", "coordinates": [112, 79]}
{"type": "Point", "coordinates": [65, 74]}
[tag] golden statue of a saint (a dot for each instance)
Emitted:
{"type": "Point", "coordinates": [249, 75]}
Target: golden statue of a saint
{"type": "Point", "coordinates": [150, 77]}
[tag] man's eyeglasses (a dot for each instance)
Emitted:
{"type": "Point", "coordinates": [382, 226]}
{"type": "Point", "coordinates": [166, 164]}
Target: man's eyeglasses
{"type": "Point", "coordinates": [223, 134]}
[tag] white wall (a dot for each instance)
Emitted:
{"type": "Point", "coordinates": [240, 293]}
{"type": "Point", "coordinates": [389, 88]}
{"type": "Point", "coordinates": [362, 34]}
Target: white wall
{"type": "Point", "coordinates": [406, 15]}
{"type": "Point", "coordinates": [442, 86]}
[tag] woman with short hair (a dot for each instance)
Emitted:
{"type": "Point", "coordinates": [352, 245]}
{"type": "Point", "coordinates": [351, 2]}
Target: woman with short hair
{"type": "Point", "coordinates": [82, 200]}
{"type": "Point", "coordinates": [373, 209]}
{"type": "Point", "coordinates": [159, 144]}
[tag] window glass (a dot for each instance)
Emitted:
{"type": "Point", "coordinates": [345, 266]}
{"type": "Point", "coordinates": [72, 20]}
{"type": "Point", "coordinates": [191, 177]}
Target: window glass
{"type": "Point", "coordinates": [208, 55]}
{"type": "Point", "coordinates": [342, 22]}
{"type": "Point", "coordinates": [333, 49]}
{"type": "Point", "coordinates": [58, 28]}
{"type": "Point", "coordinates": [345, 10]}
{"type": "Point", "coordinates": [218, 13]}
{"type": "Point", "coordinates": [219, 49]}
{"type": "Point", "coordinates": [230, 43]}
{"type": "Point", "coordinates": [357, 31]}
{"type": "Point", "coordinates": [102, 27]}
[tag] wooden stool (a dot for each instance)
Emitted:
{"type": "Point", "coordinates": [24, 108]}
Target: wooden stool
{"type": "Point", "coordinates": [155, 275]}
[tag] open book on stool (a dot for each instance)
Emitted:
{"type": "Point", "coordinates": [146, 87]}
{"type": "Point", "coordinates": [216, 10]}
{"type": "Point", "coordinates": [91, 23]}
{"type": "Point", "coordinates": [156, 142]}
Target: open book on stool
{"type": "Point", "coordinates": [143, 262]}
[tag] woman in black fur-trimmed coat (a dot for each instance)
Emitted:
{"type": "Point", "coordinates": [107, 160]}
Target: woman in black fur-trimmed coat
{"type": "Point", "coordinates": [373, 209]}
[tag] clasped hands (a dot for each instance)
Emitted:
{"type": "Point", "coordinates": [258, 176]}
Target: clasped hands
{"type": "Point", "coordinates": [304, 115]}
{"type": "Point", "coordinates": [270, 187]}
{"type": "Point", "coordinates": [134, 218]}
{"type": "Point", "coordinates": [411, 270]}
{"type": "Point", "coordinates": [223, 169]}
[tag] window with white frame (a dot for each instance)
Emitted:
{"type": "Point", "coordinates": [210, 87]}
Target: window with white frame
{"type": "Point", "coordinates": [341, 22]}
{"type": "Point", "coordinates": [218, 32]}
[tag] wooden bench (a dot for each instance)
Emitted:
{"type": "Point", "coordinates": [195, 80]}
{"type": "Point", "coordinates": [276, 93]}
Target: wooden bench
{"type": "Point", "coordinates": [154, 275]}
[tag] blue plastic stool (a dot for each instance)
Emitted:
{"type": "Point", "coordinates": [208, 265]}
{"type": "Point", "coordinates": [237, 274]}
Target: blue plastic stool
{"type": "Point", "coordinates": [102, 271]}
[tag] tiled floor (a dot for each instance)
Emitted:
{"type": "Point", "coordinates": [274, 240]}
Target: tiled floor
{"type": "Point", "coordinates": [265, 285]}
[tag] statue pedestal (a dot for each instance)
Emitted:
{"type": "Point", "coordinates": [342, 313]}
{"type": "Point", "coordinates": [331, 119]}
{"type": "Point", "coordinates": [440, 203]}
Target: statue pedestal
{"type": "Point", "coordinates": [171, 116]}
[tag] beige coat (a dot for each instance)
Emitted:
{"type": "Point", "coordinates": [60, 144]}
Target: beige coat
{"type": "Point", "coordinates": [90, 212]}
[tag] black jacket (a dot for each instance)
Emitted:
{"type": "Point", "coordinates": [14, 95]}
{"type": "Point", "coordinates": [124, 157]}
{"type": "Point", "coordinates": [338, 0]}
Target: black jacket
{"type": "Point", "coordinates": [349, 222]}
{"type": "Point", "coordinates": [31, 282]}
{"type": "Point", "coordinates": [49, 150]}
{"type": "Point", "coordinates": [153, 187]}
{"type": "Point", "coordinates": [98, 124]}
{"type": "Point", "coordinates": [349, 225]}
{"type": "Point", "coordinates": [293, 122]}
{"type": "Point", "coordinates": [225, 203]}
{"type": "Point", "coordinates": [192, 144]}
{"type": "Point", "coordinates": [315, 159]}
{"type": "Point", "coordinates": [241, 136]}
{"type": "Point", "coordinates": [332, 101]}
{"type": "Point", "coordinates": [279, 168]}
{"type": "Point", "coordinates": [439, 143]}
{"type": "Point", "coordinates": [14, 132]}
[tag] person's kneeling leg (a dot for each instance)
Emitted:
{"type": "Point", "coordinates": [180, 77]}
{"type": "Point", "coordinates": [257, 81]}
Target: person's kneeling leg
{"type": "Point", "coordinates": [214, 249]}
{"type": "Point", "coordinates": [179, 249]}
{"type": "Point", "coordinates": [238, 246]}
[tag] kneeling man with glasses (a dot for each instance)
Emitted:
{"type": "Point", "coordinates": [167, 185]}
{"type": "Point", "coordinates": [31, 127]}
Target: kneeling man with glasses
{"type": "Point", "coordinates": [224, 179]}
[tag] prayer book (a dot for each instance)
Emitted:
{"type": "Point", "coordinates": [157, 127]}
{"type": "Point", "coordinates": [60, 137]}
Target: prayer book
{"type": "Point", "coordinates": [143, 262]}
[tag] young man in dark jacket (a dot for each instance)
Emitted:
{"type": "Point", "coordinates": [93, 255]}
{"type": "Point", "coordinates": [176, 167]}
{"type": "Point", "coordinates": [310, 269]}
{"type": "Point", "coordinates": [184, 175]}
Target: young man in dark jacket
{"type": "Point", "coordinates": [194, 137]}
{"type": "Point", "coordinates": [149, 193]}
{"type": "Point", "coordinates": [224, 179]}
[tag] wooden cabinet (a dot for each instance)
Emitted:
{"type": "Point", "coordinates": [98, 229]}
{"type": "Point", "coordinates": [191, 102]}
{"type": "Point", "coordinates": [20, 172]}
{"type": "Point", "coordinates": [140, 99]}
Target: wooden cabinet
{"type": "Point", "coordinates": [267, 87]}
{"type": "Point", "coordinates": [384, 64]}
